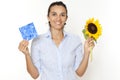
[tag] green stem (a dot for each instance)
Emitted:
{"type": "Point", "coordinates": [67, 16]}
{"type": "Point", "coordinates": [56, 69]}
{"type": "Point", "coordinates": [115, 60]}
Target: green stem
{"type": "Point", "coordinates": [91, 57]}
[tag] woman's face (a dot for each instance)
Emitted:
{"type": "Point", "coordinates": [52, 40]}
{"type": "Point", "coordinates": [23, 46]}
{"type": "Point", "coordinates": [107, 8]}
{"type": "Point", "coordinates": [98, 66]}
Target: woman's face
{"type": "Point", "coordinates": [57, 17]}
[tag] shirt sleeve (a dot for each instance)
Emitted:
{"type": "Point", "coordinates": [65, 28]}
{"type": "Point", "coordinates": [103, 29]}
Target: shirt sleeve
{"type": "Point", "coordinates": [35, 55]}
{"type": "Point", "coordinates": [78, 55]}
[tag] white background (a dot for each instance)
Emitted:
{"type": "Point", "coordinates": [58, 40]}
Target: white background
{"type": "Point", "coordinates": [16, 13]}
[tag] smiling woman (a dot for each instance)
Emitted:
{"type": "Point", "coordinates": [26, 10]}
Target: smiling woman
{"type": "Point", "coordinates": [57, 17]}
{"type": "Point", "coordinates": [56, 55]}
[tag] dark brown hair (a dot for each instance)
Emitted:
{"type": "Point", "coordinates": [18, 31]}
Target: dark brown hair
{"type": "Point", "coordinates": [58, 3]}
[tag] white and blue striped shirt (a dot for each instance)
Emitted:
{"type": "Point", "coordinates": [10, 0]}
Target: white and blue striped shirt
{"type": "Point", "coordinates": [57, 63]}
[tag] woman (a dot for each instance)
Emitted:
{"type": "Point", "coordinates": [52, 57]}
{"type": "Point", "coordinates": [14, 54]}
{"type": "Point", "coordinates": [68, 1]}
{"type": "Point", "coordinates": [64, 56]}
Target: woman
{"type": "Point", "coordinates": [56, 55]}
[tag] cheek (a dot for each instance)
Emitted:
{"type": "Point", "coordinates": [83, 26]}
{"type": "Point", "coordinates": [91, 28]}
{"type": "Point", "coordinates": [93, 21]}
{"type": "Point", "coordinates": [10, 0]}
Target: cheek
{"type": "Point", "coordinates": [64, 19]}
{"type": "Point", "coordinates": [50, 18]}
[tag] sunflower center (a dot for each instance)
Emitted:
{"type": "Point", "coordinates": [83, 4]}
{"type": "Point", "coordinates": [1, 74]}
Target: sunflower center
{"type": "Point", "coordinates": [92, 28]}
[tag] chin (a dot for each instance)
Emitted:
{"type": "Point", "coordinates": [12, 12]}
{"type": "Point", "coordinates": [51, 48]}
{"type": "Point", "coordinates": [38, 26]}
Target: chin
{"type": "Point", "coordinates": [59, 27]}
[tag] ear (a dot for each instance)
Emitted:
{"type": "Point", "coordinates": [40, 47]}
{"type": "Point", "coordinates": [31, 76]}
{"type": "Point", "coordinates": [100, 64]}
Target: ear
{"type": "Point", "coordinates": [66, 18]}
{"type": "Point", "coordinates": [48, 18]}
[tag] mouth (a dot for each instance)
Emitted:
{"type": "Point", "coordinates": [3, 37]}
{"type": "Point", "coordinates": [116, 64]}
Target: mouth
{"type": "Point", "coordinates": [58, 23]}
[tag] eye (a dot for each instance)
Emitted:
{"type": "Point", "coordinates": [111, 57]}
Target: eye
{"type": "Point", "coordinates": [63, 14]}
{"type": "Point", "coordinates": [53, 14]}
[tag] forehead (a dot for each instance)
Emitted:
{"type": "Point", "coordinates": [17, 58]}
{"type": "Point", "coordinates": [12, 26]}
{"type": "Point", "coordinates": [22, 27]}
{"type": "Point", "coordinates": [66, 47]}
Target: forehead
{"type": "Point", "coordinates": [57, 8]}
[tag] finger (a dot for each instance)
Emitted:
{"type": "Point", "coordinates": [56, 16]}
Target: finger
{"type": "Point", "coordinates": [23, 49]}
{"type": "Point", "coordinates": [89, 39]}
{"type": "Point", "coordinates": [26, 42]}
{"type": "Point", "coordinates": [20, 46]}
{"type": "Point", "coordinates": [92, 44]}
{"type": "Point", "coordinates": [23, 44]}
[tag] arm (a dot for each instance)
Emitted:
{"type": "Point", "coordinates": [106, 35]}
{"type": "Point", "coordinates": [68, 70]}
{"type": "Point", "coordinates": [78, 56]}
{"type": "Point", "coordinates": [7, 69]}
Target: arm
{"type": "Point", "coordinates": [83, 66]}
{"type": "Point", "coordinates": [32, 70]}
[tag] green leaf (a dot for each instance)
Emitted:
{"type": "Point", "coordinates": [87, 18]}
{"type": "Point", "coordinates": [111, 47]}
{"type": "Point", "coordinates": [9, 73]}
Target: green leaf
{"type": "Point", "coordinates": [85, 35]}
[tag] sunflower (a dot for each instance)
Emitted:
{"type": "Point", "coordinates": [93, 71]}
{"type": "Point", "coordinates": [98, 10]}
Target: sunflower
{"type": "Point", "coordinates": [92, 29]}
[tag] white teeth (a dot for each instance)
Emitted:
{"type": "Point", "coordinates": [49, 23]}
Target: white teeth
{"type": "Point", "coordinates": [58, 23]}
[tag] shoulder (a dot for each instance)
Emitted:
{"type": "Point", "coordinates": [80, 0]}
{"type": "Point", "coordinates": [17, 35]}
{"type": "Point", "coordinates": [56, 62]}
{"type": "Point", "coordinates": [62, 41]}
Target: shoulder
{"type": "Point", "coordinates": [38, 39]}
{"type": "Point", "coordinates": [74, 37]}
{"type": "Point", "coordinates": [74, 40]}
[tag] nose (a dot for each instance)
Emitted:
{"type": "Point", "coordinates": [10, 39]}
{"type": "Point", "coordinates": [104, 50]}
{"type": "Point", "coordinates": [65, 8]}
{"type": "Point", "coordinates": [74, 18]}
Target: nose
{"type": "Point", "coordinates": [58, 17]}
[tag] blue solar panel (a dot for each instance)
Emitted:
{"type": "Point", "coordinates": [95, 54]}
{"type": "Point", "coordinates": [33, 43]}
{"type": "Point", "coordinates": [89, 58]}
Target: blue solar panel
{"type": "Point", "coordinates": [28, 31]}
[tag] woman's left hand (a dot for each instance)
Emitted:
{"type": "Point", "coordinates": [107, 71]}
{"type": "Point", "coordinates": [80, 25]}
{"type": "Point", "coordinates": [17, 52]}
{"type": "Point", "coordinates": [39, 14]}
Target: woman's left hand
{"type": "Point", "coordinates": [89, 44]}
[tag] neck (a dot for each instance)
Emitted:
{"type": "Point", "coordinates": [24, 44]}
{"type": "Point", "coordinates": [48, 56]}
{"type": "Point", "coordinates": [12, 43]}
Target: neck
{"type": "Point", "coordinates": [57, 34]}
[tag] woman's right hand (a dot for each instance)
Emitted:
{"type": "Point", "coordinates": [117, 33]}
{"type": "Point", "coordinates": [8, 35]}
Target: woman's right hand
{"type": "Point", "coordinates": [23, 47]}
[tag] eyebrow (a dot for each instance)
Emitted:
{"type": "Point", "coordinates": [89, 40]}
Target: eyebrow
{"type": "Point", "coordinates": [61, 12]}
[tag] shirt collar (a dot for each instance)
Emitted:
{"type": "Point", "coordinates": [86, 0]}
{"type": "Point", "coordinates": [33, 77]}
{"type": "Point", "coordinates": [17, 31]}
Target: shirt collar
{"type": "Point", "coordinates": [48, 34]}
